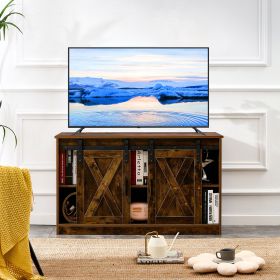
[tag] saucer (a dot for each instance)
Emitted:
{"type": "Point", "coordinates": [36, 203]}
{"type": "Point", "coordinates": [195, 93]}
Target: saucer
{"type": "Point", "coordinates": [216, 260]}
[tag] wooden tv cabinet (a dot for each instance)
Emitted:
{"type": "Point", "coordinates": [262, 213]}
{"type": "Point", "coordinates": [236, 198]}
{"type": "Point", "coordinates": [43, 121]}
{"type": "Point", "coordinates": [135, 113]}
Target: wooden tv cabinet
{"type": "Point", "coordinates": [102, 194]}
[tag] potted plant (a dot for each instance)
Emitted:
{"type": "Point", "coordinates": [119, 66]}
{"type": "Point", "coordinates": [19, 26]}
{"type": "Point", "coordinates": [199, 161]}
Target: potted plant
{"type": "Point", "coordinates": [6, 128]}
{"type": "Point", "coordinates": [5, 23]}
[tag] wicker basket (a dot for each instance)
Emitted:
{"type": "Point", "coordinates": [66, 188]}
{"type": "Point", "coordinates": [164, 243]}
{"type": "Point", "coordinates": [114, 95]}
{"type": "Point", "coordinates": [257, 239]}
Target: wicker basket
{"type": "Point", "coordinates": [69, 208]}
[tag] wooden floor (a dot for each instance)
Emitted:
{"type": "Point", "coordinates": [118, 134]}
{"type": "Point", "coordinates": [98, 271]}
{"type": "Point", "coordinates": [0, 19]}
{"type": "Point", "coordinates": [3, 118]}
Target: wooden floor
{"type": "Point", "coordinates": [227, 231]}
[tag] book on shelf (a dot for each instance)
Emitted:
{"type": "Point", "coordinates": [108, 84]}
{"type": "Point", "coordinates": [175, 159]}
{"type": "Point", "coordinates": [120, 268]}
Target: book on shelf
{"type": "Point", "coordinates": [74, 167]}
{"type": "Point", "coordinates": [204, 205]}
{"type": "Point", "coordinates": [216, 202]}
{"type": "Point", "coordinates": [62, 167]}
{"type": "Point", "coordinates": [145, 167]}
{"type": "Point", "coordinates": [210, 206]}
{"type": "Point", "coordinates": [133, 167]}
{"type": "Point", "coordinates": [139, 167]}
{"type": "Point", "coordinates": [68, 167]}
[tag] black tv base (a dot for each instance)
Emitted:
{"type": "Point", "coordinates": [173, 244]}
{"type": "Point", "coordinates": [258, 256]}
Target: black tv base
{"type": "Point", "coordinates": [194, 128]}
{"type": "Point", "coordinates": [79, 130]}
{"type": "Point", "coordinates": [197, 130]}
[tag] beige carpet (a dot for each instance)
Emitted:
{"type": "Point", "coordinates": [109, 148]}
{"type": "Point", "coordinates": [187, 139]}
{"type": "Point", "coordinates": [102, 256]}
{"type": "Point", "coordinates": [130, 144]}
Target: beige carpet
{"type": "Point", "coordinates": [115, 258]}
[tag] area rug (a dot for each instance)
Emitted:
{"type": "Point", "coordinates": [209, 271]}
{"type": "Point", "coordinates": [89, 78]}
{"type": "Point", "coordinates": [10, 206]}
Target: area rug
{"type": "Point", "coordinates": [87, 259]}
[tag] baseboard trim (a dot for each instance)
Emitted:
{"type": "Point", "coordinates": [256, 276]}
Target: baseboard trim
{"type": "Point", "coordinates": [238, 220]}
{"type": "Point", "coordinates": [226, 192]}
{"type": "Point", "coordinates": [252, 220]}
{"type": "Point", "coordinates": [43, 219]}
{"type": "Point", "coordinates": [249, 192]}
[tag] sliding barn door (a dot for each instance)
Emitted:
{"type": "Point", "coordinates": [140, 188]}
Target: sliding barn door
{"type": "Point", "coordinates": [100, 187]}
{"type": "Point", "coordinates": [175, 186]}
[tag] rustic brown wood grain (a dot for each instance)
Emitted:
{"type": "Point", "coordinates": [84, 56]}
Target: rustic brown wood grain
{"type": "Point", "coordinates": [174, 190]}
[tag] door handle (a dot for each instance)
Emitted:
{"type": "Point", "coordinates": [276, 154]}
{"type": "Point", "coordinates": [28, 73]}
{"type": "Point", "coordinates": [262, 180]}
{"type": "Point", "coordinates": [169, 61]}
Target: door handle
{"type": "Point", "coordinates": [150, 188]}
{"type": "Point", "coordinates": [126, 187]}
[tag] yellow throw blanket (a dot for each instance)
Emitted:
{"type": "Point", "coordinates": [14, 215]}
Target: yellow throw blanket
{"type": "Point", "coordinates": [15, 207]}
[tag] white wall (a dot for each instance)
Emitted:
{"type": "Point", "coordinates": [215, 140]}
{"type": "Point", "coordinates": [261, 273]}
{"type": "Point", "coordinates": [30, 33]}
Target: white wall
{"type": "Point", "coordinates": [244, 41]}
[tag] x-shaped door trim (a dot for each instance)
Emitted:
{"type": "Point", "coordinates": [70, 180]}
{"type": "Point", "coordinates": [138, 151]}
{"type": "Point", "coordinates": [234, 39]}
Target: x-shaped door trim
{"type": "Point", "coordinates": [174, 186]}
{"type": "Point", "coordinates": [103, 183]}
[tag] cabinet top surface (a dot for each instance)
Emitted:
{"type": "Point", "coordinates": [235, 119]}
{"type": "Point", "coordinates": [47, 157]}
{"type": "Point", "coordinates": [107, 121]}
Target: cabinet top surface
{"type": "Point", "coordinates": [137, 135]}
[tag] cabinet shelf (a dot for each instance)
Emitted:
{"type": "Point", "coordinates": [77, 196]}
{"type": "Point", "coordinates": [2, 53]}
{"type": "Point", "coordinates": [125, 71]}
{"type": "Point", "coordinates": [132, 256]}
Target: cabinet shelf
{"type": "Point", "coordinates": [209, 185]}
{"type": "Point", "coordinates": [67, 186]}
{"type": "Point", "coordinates": [139, 186]}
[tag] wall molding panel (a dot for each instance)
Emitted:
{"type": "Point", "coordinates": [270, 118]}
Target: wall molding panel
{"type": "Point", "coordinates": [264, 30]}
{"type": "Point", "coordinates": [247, 89]}
{"type": "Point", "coordinates": [212, 89]}
{"type": "Point", "coordinates": [263, 46]}
{"type": "Point", "coordinates": [21, 117]}
{"type": "Point", "coordinates": [261, 117]}
{"type": "Point", "coordinates": [42, 218]}
{"type": "Point", "coordinates": [28, 91]}
{"type": "Point", "coordinates": [227, 166]}
{"type": "Point", "coordinates": [21, 61]}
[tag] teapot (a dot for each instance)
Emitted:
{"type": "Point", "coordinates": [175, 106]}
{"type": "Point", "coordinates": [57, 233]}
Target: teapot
{"type": "Point", "coordinates": [157, 246]}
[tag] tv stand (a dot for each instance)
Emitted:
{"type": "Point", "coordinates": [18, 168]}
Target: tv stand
{"type": "Point", "coordinates": [79, 130]}
{"type": "Point", "coordinates": [197, 130]}
{"type": "Point", "coordinates": [95, 198]}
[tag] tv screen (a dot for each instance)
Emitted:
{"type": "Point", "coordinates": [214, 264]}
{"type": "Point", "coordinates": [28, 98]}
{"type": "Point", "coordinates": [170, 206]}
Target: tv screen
{"type": "Point", "coordinates": [138, 87]}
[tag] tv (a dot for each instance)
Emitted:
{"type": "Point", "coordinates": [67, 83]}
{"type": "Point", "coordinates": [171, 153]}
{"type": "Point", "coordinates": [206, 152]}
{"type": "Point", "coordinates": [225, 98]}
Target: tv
{"type": "Point", "coordinates": [138, 87]}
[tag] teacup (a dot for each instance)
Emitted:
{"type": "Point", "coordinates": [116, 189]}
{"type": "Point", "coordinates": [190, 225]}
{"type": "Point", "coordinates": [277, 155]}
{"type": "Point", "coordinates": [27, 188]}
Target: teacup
{"type": "Point", "coordinates": [226, 254]}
